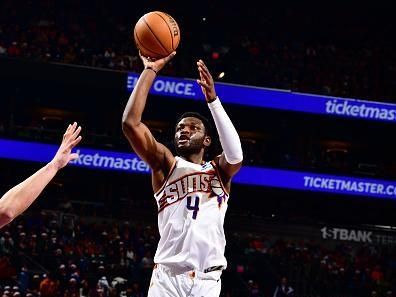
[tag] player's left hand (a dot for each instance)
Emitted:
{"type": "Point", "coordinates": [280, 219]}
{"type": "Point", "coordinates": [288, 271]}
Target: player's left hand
{"type": "Point", "coordinates": [70, 139]}
{"type": "Point", "coordinates": [206, 82]}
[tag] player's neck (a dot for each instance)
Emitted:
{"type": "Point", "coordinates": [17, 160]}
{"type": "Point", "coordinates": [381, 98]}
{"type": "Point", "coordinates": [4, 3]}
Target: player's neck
{"type": "Point", "coordinates": [193, 158]}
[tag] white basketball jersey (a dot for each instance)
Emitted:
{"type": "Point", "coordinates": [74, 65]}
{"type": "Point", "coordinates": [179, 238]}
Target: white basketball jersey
{"type": "Point", "coordinates": [191, 207]}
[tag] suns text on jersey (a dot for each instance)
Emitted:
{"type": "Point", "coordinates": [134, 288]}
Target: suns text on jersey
{"type": "Point", "coordinates": [180, 188]}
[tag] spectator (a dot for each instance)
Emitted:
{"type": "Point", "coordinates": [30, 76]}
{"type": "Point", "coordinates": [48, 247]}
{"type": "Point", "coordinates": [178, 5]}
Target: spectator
{"type": "Point", "coordinates": [72, 289]}
{"type": "Point", "coordinates": [377, 275]}
{"type": "Point", "coordinates": [23, 279]}
{"type": "Point", "coordinates": [284, 289]}
{"type": "Point", "coordinates": [253, 288]}
{"type": "Point", "coordinates": [7, 270]}
{"type": "Point", "coordinates": [49, 286]}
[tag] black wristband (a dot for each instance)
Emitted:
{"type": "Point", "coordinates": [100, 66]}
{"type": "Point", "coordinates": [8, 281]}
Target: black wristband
{"type": "Point", "coordinates": [151, 68]}
{"type": "Point", "coordinates": [214, 99]}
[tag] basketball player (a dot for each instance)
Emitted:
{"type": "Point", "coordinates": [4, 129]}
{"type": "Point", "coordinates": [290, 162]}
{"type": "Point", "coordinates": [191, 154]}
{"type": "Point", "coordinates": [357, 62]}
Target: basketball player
{"type": "Point", "coordinates": [191, 193]}
{"type": "Point", "coordinates": [20, 197]}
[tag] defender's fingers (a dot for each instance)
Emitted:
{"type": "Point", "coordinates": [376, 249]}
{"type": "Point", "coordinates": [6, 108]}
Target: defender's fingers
{"type": "Point", "coordinates": [74, 156]}
{"type": "Point", "coordinates": [75, 142]}
{"type": "Point", "coordinates": [76, 133]}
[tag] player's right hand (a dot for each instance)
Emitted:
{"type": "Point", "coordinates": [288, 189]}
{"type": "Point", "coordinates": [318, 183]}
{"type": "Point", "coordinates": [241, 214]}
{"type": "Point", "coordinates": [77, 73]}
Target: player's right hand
{"type": "Point", "coordinates": [156, 64]}
{"type": "Point", "coordinates": [70, 139]}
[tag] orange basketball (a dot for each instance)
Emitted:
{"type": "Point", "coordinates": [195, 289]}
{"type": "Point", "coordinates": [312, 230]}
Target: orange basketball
{"type": "Point", "coordinates": [156, 34]}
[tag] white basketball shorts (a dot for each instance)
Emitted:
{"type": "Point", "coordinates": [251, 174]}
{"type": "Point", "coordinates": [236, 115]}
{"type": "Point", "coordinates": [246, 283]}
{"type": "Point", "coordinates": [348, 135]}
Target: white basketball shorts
{"type": "Point", "coordinates": [171, 282]}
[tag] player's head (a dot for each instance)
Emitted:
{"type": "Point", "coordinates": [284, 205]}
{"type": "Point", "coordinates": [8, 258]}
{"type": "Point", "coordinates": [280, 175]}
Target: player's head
{"type": "Point", "coordinates": [193, 134]}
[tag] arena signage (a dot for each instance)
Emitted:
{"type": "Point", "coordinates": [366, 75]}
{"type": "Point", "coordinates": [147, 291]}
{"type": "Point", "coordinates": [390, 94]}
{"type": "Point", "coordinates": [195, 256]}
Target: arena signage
{"type": "Point", "coordinates": [256, 176]}
{"type": "Point", "coordinates": [272, 98]}
{"type": "Point", "coordinates": [317, 182]}
{"type": "Point", "coordinates": [357, 235]}
{"type": "Point", "coordinates": [346, 234]}
{"type": "Point", "coordinates": [90, 158]}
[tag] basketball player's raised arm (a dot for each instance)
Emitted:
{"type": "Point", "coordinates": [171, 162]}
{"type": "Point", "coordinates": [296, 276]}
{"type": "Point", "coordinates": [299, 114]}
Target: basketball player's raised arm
{"type": "Point", "coordinates": [139, 136]}
{"type": "Point", "coordinates": [230, 161]}
{"type": "Point", "coordinates": [20, 197]}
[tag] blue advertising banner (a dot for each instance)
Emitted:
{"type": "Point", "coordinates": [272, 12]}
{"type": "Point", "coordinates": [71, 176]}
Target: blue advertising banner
{"type": "Point", "coordinates": [316, 182]}
{"type": "Point", "coordinates": [256, 176]}
{"type": "Point", "coordinates": [95, 159]}
{"type": "Point", "coordinates": [271, 98]}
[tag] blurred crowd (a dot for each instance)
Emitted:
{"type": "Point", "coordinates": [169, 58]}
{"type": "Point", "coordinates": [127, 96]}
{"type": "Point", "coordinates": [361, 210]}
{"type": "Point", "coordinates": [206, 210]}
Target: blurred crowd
{"type": "Point", "coordinates": [41, 256]}
{"type": "Point", "coordinates": [45, 254]}
{"type": "Point", "coordinates": [294, 47]}
{"type": "Point", "coordinates": [314, 269]}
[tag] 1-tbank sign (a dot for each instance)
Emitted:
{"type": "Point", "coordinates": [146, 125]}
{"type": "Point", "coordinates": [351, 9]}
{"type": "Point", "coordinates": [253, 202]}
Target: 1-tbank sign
{"type": "Point", "coordinates": [347, 234]}
{"type": "Point", "coordinates": [358, 235]}
{"type": "Point", "coordinates": [271, 98]}
{"type": "Point", "coordinates": [248, 175]}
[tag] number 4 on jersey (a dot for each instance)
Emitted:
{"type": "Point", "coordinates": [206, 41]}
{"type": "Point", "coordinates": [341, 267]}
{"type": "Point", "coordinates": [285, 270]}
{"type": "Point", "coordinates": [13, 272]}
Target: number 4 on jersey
{"type": "Point", "coordinates": [193, 204]}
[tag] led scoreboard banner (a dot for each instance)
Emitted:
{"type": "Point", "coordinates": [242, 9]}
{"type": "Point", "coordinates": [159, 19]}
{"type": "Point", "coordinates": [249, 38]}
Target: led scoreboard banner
{"type": "Point", "coordinates": [255, 176]}
{"type": "Point", "coordinates": [180, 88]}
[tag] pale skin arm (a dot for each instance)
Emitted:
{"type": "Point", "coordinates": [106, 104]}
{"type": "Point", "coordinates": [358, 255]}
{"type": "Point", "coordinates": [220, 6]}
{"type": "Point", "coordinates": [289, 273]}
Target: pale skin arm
{"type": "Point", "coordinates": [155, 154]}
{"type": "Point", "coordinates": [208, 89]}
{"type": "Point", "coordinates": [20, 197]}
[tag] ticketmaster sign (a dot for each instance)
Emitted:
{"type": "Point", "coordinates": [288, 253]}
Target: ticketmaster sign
{"type": "Point", "coordinates": [95, 159]}
{"type": "Point", "coordinates": [256, 176]}
{"type": "Point", "coordinates": [270, 98]}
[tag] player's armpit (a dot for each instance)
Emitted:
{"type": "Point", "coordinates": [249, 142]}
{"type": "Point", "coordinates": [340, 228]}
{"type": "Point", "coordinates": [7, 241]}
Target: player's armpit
{"type": "Point", "coordinates": [228, 170]}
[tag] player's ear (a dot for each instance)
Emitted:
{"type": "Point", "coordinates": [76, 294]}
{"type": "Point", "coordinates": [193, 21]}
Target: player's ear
{"type": "Point", "coordinates": [207, 141]}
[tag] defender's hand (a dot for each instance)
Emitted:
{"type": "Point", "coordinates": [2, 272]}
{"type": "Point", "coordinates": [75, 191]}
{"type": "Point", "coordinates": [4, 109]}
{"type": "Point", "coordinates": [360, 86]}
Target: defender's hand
{"type": "Point", "coordinates": [70, 139]}
{"type": "Point", "coordinates": [154, 64]}
{"type": "Point", "coordinates": [206, 82]}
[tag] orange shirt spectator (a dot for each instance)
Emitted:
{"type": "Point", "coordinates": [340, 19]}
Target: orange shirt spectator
{"type": "Point", "coordinates": [377, 275]}
{"type": "Point", "coordinates": [48, 287]}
